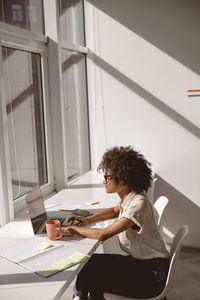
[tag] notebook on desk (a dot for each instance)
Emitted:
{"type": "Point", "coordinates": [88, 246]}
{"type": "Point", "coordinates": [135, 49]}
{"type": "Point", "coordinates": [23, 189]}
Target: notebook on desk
{"type": "Point", "coordinates": [38, 213]}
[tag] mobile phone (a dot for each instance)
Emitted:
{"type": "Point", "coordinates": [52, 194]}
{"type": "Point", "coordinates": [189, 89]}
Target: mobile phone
{"type": "Point", "coordinates": [81, 212]}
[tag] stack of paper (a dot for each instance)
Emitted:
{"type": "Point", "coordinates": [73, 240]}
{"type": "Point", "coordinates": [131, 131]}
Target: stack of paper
{"type": "Point", "coordinates": [44, 258]}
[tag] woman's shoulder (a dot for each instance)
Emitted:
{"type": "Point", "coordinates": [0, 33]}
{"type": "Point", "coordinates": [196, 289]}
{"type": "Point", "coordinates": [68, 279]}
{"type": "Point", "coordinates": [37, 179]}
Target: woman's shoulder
{"type": "Point", "coordinates": [135, 199]}
{"type": "Point", "coordinates": [140, 205]}
{"type": "Point", "coordinates": [138, 197]}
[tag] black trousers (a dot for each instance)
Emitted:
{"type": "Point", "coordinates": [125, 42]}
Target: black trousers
{"type": "Point", "coordinates": [122, 275]}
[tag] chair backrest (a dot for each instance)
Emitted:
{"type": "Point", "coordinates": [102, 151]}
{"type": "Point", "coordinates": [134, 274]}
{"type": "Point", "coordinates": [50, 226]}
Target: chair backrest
{"type": "Point", "coordinates": [159, 207]}
{"type": "Point", "coordinates": [174, 253]}
{"type": "Point", "coordinates": [150, 192]}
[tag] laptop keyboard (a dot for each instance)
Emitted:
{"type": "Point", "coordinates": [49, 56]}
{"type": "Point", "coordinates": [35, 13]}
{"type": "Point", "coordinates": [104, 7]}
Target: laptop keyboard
{"type": "Point", "coordinates": [59, 219]}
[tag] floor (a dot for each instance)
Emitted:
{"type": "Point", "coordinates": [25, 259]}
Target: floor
{"type": "Point", "coordinates": [187, 285]}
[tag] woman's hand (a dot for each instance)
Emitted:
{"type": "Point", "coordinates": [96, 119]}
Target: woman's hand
{"type": "Point", "coordinates": [81, 221]}
{"type": "Point", "coordinates": [67, 229]}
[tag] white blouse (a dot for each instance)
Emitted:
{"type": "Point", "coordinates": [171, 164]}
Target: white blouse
{"type": "Point", "coordinates": [146, 242]}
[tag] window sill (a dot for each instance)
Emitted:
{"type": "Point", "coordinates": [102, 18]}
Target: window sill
{"type": "Point", "coordinates": [89, 179]}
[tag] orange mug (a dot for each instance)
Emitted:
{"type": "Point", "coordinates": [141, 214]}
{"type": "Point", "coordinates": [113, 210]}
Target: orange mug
{"type": "Point", "coordinates": [53, 229]}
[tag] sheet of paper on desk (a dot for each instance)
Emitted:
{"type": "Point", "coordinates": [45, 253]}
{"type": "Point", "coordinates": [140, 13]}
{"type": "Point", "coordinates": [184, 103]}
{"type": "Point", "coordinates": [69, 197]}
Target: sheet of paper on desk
{"type": "Point", "coordinates": [50, 205]}
{"type": "Point", "coordinates": [30, 248]}
{"type": "Point", "coordinates": [101, 205]}
{"type": "Point", "coordinates": [48, 270]}
{"type": "Point", "coordinates": [44, 257]}
{"type": "Point", "coordinates": [65, 206]}
{"type": "Point", "coordinates": [54, 261]}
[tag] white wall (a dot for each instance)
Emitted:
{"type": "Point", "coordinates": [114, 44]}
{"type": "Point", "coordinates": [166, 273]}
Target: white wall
{"type": "Point", "coordinates": [143, 58]}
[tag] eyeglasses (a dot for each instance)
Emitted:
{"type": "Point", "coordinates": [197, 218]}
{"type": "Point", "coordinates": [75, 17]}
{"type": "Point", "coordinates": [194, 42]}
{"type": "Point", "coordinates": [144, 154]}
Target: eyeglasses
{"type": "Point", "coordinates": [107, 177]}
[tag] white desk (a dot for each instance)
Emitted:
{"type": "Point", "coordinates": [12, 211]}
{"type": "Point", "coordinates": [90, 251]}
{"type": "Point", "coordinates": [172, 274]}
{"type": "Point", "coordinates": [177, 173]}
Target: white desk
{"type": "Point", "coordinates": [19, 283]}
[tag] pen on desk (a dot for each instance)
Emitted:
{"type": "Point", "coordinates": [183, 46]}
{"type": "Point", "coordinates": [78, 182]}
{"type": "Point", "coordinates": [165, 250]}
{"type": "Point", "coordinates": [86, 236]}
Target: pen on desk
{"type": "Point", "coordinates": [65, 210]}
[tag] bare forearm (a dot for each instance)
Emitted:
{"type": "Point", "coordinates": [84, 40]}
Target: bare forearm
{"type": "Point", "coordinates": [101, 233]}
{"type": "Point", "coordinates": [92, 233]}
{"type": "Point", "coordinates": [105, 214]}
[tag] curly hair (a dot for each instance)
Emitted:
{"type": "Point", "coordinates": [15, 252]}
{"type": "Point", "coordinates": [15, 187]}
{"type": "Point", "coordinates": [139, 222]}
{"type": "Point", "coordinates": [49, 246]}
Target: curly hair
{"type": "Point", "coordinates": [127, 166]}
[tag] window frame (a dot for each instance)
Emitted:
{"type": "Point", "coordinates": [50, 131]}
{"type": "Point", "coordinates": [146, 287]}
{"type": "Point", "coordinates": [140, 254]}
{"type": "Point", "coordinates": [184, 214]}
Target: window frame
{"type": "Point", "coordinates": [49, 46]}
{"type": "Point", "coordinates": [22, 39]}
{"type": "Point", "coordinates": [52, 30]}
{"type": "Point", "coordinates": [80, 49]}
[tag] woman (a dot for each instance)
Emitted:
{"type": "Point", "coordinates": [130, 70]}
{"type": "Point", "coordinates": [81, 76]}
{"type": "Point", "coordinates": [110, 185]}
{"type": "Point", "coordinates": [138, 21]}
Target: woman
{"type": "Point", "coordinates": [143, 271]}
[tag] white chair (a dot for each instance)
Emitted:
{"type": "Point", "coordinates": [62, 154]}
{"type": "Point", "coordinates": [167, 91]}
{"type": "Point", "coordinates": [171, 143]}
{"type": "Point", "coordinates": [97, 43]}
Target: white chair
{"type": "Point", "coordinates": [159, 204]}
{"type": "Point", "coordinates": [150, 192]}
{"type": "Point", "coordinates": [174, 252]}
{"type": "Point", "coordinates": [159, 207]}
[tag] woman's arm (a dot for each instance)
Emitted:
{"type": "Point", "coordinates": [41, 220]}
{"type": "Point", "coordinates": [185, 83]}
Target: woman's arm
{"type": "Point", "coordinates": [108, 213]}
{"type": "Point", "coordinates": [99, 233]}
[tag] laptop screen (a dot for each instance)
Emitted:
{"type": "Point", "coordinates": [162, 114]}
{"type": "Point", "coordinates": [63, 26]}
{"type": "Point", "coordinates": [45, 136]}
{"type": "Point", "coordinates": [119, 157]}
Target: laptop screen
{"type": "Point", "coordinates": [36, 208]}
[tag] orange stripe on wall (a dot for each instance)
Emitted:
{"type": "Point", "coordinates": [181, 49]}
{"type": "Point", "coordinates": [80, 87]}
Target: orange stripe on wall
{"type": "Point", "coordinates": [193, 90]}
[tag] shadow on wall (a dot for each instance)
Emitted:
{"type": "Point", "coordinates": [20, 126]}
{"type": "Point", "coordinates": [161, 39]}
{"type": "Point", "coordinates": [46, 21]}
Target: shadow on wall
{"type": "Point", "coordinates": [185, 123]}
{"type": "Point", "coordinates": [165, 24]}
{"type": "Point", "coordinates": [179, 211]}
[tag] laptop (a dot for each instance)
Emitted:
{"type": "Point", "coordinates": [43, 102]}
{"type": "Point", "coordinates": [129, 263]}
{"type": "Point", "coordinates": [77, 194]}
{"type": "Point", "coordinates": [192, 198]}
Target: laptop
{"type": "Point", "coordinates": [39, 215]}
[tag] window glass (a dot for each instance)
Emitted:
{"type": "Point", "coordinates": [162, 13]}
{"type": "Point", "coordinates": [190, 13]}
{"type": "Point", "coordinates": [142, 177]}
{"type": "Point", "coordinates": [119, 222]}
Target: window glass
{"type": "Point", "coordinates": [71, 22]}
{"type": "Point", "coordinates": [24, 14]}
{"type": "Point", "coordinates": [25, 119]}
{"type": "Point", "coordinates": [76, 112]}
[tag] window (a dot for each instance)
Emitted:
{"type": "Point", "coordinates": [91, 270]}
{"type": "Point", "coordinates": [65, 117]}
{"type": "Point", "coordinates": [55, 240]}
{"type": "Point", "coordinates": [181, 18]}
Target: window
{"type": "Point", "coordinates": [74, 83]}
{"type": "Point", "coordinates": [72, 22]}
{"type": "Point", "coordinates": [25, 119]}
{"type": "Point", "coordinates": [40, 145]}
{"type": "Point", "coordinates": [76, 112]}
{"type": "Point", "coordinates": [23, 14]}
